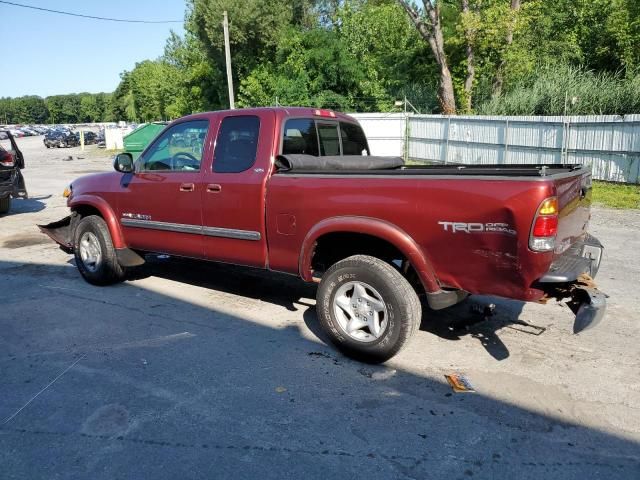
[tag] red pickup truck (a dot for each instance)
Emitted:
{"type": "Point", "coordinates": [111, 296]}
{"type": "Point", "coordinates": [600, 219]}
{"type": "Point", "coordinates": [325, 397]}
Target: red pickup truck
{"type": "Point", "coordinates": [295, 190]}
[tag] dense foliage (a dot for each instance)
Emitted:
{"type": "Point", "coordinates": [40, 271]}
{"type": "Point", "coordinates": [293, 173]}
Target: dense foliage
{"type": "Point", "coordinates": [502, 57]}
{"type": "Point", "coordinates": [73, 108]}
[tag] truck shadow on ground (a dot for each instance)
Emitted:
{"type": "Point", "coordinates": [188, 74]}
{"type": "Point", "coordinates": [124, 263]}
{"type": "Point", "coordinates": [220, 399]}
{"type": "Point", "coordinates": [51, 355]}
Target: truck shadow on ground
{"type": "Point", "coordinates": [468, 318]}
{"type": "Point", "coordinates": [277, 288]}
{"type": "Point", "coordinates": [133, 382]}
{"type": "Point", "coordinates": [476, 318]}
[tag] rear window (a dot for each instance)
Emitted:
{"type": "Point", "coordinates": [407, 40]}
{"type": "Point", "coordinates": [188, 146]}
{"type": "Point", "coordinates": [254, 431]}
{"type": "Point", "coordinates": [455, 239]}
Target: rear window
{"type": "Point", "coordinates": [300, 137]}
{"type": "Point", "coordinates": [322, 138]}
{"type": "Point", "coordinates": [329, 139]}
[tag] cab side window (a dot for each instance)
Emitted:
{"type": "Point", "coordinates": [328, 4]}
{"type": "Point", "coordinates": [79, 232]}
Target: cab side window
{"type": "Point", "coordinates": [178, 148]}
{"type": "Point", "coordinates": [237, 144]}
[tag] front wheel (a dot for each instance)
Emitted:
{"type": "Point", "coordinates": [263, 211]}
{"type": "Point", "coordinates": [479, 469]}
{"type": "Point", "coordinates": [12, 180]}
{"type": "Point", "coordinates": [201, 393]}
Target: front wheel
{"type": "Point", "coordinates": [368, 309]}
{"type": "Point", "coordinates": [94, 252]}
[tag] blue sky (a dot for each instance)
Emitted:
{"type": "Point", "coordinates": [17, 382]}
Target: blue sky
{"type": "Point", "coordinates": [47, 54]}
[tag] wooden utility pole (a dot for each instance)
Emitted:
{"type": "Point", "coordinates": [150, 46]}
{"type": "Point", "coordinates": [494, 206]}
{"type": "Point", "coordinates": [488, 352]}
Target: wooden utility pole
{"type": "Point", "coordinates": [227, 54]}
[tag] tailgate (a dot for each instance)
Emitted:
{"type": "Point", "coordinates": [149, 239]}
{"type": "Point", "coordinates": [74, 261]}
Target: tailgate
{"type": "Point", "coordinates": [574, 201]}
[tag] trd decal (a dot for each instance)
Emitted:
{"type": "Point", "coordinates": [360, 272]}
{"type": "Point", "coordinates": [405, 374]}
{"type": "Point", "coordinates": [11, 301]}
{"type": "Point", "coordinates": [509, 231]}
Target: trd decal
{"type": "Point", "coordinates": [136, 216]}
{"type": "Point", "coordinates": [464, 227]}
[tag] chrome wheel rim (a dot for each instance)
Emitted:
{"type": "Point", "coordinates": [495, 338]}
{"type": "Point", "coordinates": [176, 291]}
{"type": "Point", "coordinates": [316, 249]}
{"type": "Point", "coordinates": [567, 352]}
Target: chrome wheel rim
{"type": "Point", "coordinates": [90, 251]}
{"type": "Point", "coordinates": [360, 311]}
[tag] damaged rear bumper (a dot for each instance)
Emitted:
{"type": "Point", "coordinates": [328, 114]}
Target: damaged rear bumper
{"type": "Point", "coordinates": [570, 276]}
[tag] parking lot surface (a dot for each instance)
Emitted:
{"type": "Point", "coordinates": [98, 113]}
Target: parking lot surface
{"type": "Point", "coordinates": [211, 371]}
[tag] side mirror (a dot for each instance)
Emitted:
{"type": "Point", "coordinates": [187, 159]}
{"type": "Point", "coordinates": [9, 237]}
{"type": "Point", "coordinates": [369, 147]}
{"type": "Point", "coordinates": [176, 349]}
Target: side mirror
{"type": "Point", "coordinates": [123, 163]}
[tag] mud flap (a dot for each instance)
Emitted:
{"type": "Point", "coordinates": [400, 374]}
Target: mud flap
{"type": "Point", "coordinates": [60, 232]}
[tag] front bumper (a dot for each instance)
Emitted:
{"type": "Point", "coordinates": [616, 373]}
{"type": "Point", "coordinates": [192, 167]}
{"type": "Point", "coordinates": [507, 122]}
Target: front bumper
{"type": "Point", "coordinates": [571, 276]}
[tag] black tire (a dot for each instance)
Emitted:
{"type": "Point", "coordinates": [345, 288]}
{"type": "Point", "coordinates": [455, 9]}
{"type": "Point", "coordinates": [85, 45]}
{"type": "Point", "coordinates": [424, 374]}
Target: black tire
{"type": "Point", "coordinates": [107, 271]}
{"type": "Point", "coordinates": [5, 204]}
{"type": "Point", "coordinates": [400, 299]}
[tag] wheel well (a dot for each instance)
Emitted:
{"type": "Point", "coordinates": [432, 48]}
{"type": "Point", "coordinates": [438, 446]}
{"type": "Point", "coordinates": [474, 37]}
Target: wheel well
{"type": "Point", "coordinates": [333, 247]}
{"type": "Point", "coordinates": [86, 210]}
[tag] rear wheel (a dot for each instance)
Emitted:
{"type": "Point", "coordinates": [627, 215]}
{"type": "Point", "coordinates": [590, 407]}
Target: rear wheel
{"type": "Point", "coordinates": [94, 252]}
{"type": "Point", "coordinates": [5, 204]}
{"type": "Point", "coordinates": [368, 308]}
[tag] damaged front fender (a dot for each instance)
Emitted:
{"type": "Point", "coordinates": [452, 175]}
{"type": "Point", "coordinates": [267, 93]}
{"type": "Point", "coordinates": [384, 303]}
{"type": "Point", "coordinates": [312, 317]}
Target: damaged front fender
{"type": "Point", "coordinates": [61, 232]}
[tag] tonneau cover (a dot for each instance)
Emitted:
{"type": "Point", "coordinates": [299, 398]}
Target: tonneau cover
{"type": "Point", "coordinates": [301, 162]}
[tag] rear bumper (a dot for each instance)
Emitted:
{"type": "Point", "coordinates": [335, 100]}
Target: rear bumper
{"type": "Point", "coordinates": [571, 276]}
{"type": "Point", "coordinates": [583, 257]}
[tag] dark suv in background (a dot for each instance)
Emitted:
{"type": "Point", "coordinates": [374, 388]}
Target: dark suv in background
{"type": "Point", "coordinates": [11, 180]}
{"type": "Point", "coordinates": [61, 139]}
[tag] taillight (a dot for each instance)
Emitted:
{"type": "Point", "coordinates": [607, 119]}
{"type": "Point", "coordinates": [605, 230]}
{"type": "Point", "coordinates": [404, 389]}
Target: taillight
{"type": "Point", "coordinates": [6, 159]}
{"type": "Point", "coordinates": [545, 226]}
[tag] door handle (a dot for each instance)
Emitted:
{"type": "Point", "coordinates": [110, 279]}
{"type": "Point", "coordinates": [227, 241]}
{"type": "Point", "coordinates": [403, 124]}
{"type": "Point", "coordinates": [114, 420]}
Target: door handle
{"type": "Point", "coordinates": [187, 187]}
{"type": "Point", "coordinates": [214, 188]}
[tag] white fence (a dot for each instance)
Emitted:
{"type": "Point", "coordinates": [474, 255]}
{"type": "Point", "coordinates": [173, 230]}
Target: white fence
{"type": "Point", "coordinates": [611, 144]}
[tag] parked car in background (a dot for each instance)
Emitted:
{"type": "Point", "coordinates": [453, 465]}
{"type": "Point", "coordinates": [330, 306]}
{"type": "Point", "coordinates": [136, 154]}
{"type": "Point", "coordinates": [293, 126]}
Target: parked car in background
{"type": "Point", "coordinates": [90, 138]}
{"type": "Point", "coordinates": [15, 133]}
{"type": "Point", "coordinates": [11, 180]}
{"type": "Point", "coordinates": [61, 139]}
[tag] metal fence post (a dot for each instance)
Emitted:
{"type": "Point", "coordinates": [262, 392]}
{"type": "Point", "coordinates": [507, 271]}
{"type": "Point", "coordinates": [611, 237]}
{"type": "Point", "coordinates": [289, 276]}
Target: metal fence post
{"type": "Point", "coordinates": [446, 147]}
{"type": "Point", "coordinates": [405, 119]}
{"type": "Point", "coordinates": [506, 143]}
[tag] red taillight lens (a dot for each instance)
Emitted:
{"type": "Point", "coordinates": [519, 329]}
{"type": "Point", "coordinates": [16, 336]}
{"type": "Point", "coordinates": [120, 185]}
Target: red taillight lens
{"type": "Point", "coordinates": [6, 159]}
{"type": "Point", "coordinates": [546, 226]}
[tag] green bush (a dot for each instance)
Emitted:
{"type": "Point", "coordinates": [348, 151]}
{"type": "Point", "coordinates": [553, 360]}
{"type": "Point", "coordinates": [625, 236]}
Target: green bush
{"type": "Point", "coordinates": [556, 90]}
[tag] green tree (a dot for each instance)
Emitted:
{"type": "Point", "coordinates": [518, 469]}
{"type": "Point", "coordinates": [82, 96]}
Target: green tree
{"type": "Point", "coordinates": [89, 110]}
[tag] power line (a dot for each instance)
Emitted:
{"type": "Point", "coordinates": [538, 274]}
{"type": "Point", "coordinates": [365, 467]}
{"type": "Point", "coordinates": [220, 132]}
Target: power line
{"type": "Point", "coordinates": [89, 16]}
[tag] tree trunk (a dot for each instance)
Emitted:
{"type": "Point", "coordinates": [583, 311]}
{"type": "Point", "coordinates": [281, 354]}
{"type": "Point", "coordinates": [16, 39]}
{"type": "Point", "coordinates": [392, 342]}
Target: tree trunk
{"type": "Point", "coordinates": [471, 67]}
{"type": "Point", "coordinates": [431, 31]}
{"type": "Point", "coordinates": [498, 82]}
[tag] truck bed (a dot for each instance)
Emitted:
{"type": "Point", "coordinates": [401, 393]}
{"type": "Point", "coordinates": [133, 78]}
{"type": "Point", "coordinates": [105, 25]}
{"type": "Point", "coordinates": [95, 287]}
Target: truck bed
{"type": "Point", "coordinates": [422, 200]}
{"type": "Point", "coordinates": [491, 170]}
